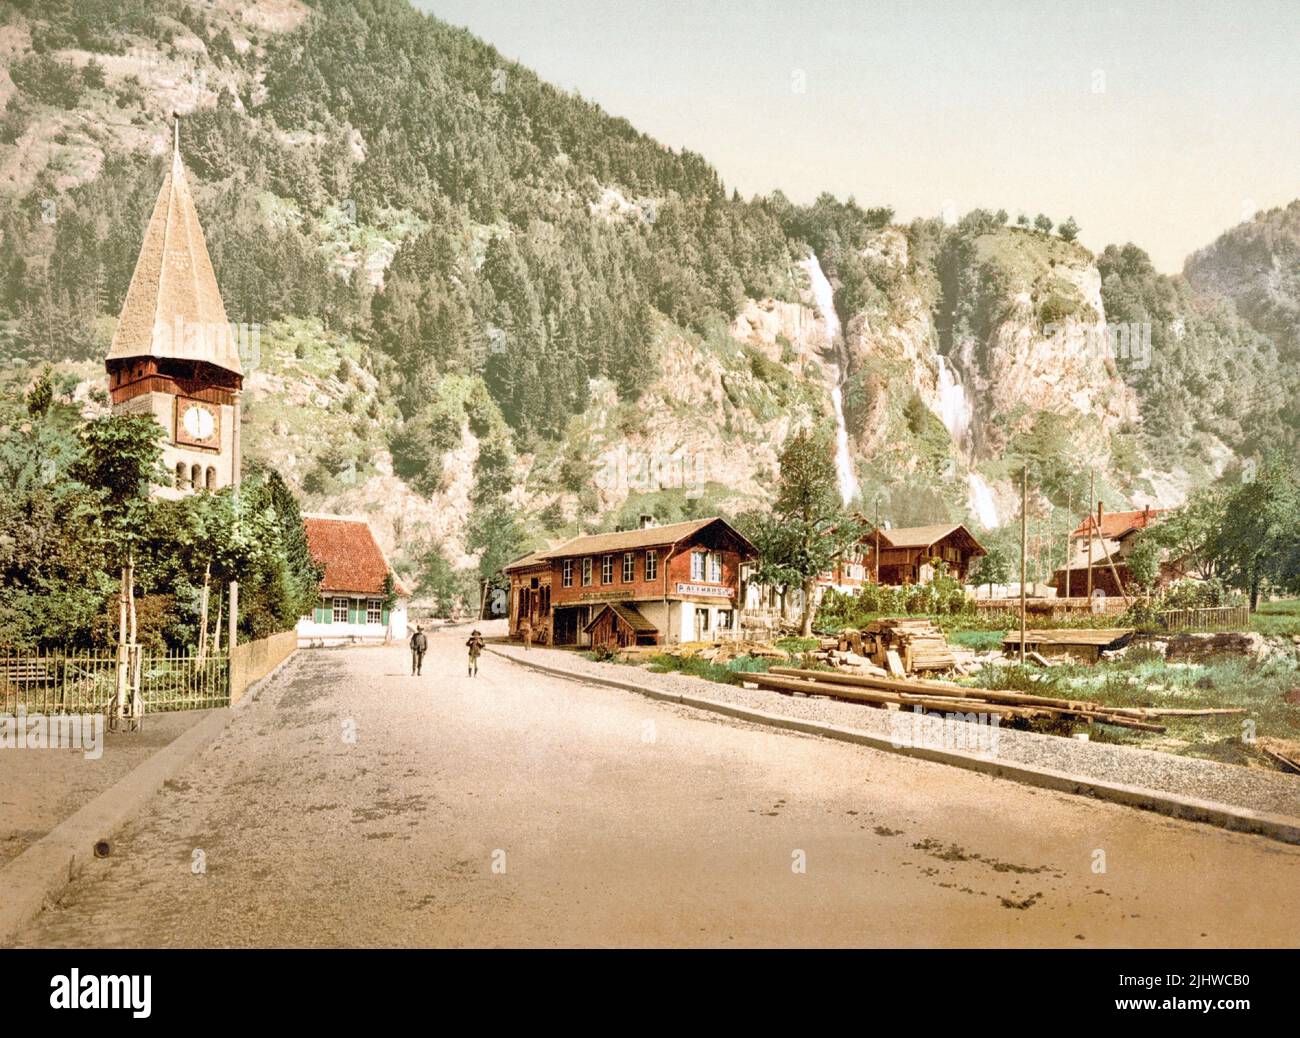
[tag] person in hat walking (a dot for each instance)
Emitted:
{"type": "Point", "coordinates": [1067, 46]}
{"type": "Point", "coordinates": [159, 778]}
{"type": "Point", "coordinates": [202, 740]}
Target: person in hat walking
{"type": "Point", "coordinates": [475, 646]}
{"type": "Point", "coordinates": [419, 646]}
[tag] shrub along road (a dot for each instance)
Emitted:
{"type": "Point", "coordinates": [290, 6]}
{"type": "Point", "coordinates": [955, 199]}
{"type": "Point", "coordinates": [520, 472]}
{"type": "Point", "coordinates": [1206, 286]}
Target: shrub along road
{"type": "Point", "coordinates": [352, 804]}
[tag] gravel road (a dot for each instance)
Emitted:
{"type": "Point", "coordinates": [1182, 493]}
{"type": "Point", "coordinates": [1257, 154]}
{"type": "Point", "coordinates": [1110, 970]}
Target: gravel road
{"type": "Point", "coordinates": [1254, 788]}
{"type": "Point", "coordinates": [351, 804]}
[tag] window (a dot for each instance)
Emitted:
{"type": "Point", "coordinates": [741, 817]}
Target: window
{"type": "Point", "coordinates": [567, 577]}
{"type": "Point", "coordinates": [724, 619]}
{"type": "Point", "coordinates": [586, 572]}
{"type": "Point", "coordinates": [706, 566]}
{"type": "Point", "coordinates": [182, 476]}
{"type": "Point", "coordinates": [629, 567]}
{"type": "Point", "coordinates": [375, 611]}
{"type": "Point", "coordinates": [651, 564]}
{"type": "Point", "coordinates": [340, 610]}
{"type": "Point", "coordinates": [196, 477]}
{"type": "Point", "coordinates": [607, 569]}
{"type": "Point", "coordinates": [211, 478]}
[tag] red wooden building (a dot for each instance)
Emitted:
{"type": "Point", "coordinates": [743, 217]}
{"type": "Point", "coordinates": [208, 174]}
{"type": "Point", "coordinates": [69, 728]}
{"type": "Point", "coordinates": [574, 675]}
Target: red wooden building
{"type": "Point", "coordinates": [907, 556]}
{"type": "Point", "coordinates": [653, 585]}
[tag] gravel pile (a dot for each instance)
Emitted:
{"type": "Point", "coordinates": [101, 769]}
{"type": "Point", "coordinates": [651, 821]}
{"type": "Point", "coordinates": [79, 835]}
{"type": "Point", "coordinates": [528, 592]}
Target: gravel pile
{"type": "Point", "coordinates": [1230, 784]}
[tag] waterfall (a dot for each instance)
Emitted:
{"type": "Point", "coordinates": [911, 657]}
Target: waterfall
{"type": "Point", "coordinates": [954, 404]}
{"type": "Point", "coordinates": [956, 412]}
{"type": "Point", "coordinates": [981, 500]}
{"type": "Point", "coordinates": [825, 298]}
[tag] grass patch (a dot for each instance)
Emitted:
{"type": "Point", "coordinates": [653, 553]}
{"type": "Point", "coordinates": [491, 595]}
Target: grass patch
{"type": "Point", "coordinates": [979, 640]}
{"type": "Point", "coordinates": [730, 673]}
{"type": "Point", "coordinates": [1280, 618]}
{"type": "Point", "coordinates": [1144, 678]}
{"type": "Point", "coordinates": [795, 646]}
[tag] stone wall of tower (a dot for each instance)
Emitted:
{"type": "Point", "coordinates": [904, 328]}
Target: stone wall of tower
{"type": "Point", "coordinates": [163, 407]}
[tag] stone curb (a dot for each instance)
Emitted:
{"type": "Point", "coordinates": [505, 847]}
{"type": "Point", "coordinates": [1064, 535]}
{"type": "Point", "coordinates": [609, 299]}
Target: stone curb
{"type": "Point", "coordinates": [39, 874]}
{"type": "Point", "coordinates": [1225, 816]}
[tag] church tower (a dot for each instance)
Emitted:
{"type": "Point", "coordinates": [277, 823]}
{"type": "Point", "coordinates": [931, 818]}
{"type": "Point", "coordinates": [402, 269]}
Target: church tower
{"type": "Point", "coordinates": [174, 354]}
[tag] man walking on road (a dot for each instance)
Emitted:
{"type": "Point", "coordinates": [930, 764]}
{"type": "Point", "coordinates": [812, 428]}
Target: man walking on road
{"type": "Point", "coordinates": [419, 645]}
{"type": "Point", "coordinates": [475, 646]}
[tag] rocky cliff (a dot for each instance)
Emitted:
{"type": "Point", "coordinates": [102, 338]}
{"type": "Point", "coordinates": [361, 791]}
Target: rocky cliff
{"type": "Point", "coordinates": [473, 290]}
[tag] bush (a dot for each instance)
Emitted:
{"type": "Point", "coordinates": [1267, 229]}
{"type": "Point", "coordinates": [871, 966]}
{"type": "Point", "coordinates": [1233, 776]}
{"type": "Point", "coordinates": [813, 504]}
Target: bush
{"type": "Point", "coordinates": [48, 80]}
{"type": "Point", "coordinates": [943, 596]}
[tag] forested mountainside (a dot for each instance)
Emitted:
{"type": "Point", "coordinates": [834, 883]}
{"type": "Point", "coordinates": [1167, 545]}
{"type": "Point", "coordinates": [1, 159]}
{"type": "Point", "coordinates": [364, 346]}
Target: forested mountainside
{"type": "Point", "coordinates": [492, 314]}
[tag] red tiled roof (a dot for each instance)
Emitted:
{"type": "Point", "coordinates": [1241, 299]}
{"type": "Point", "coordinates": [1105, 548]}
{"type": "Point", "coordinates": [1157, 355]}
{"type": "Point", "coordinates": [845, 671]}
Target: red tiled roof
{"type": "Point", "coordinates": [351, 556]}
{"type": "Point", "coordinates": [1115, 523]}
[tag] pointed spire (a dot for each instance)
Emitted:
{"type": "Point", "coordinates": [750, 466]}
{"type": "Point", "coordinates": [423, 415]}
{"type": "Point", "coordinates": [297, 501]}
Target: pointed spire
{"type": "Point", "coordinates": [173, 306]}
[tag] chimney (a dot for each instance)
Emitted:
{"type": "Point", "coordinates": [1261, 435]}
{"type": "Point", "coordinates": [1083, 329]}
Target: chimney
{"type": "Point", "coordinates": [645, 521]}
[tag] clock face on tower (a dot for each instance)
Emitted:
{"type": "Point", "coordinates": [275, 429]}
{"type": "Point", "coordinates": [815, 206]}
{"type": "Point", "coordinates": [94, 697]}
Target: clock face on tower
{"type": "Point", "coordinates": [198, 424]}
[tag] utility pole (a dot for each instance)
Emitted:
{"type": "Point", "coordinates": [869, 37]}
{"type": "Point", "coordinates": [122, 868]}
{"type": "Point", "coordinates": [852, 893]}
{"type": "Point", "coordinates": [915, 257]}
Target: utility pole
{"type": "Point", "coordinates": [1092, 504]}
{"type": "Point", "coordinates": [877, 556]}
{"type": "Point", "coordinates": [1024, 551]}
{"type": "Point", "coordinates": [236, 476]}
{"type": "Point", "coordinates": [1069, 501]}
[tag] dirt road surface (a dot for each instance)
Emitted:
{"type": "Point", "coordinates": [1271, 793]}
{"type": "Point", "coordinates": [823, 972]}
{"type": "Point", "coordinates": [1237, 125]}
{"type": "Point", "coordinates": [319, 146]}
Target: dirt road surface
{"type": "Point", "coordinates": [354, 805]}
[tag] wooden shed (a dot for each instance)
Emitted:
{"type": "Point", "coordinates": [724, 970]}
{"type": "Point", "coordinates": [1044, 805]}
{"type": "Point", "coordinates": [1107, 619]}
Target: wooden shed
{"type": "Point", "coordinates": [618, 625]}
{"type": "Point", "coordinates": [1086, 644]}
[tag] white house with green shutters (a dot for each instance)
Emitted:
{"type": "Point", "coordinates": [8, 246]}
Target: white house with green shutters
{"type": "Point", "coordinates": [361, 598]}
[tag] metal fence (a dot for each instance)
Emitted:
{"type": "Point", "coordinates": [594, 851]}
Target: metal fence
{"type": "Point", "coordinates": [86, 683]}
{"type": "Point", "coordinates": [1214, 618]}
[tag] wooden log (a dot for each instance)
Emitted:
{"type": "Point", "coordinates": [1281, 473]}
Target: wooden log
{"type": "Point", "coordinates": [1157, 711]}
{"type": "Point", "coordinates": [913, 686]}
{"type": "Point", "coordinates": [949, 705]}
{"type": "Point", "coordinates": [1277, 758]}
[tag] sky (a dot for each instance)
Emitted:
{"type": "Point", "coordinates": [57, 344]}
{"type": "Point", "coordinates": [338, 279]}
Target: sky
{"type": "Point", "coordinates": [1161, 123]}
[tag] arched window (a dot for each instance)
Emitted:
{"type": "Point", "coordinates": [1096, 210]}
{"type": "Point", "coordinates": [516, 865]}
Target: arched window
{"type": "Point", "coordinates": [196, 477]}
{"type": "Point", "coordinates": [182, 478]}
{"type": "Point", "coordinates": [212, 478]}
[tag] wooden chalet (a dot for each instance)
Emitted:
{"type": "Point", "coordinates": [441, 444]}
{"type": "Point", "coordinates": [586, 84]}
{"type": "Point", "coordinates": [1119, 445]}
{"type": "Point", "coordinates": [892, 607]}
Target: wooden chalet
{"type": "Point", "coordinates": [653, 585]}
{"type": "Point", "coordinates": [1112, 537]}
{"type": "Point", "coordinates": [907, 556]}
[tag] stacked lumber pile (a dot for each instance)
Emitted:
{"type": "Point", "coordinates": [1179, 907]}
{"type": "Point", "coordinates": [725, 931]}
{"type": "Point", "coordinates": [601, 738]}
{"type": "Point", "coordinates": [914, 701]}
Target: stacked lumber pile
{"type": "Point", "coordinates": [918, 644]}
{"type": "Point", "coordinates": [843, 654]}
{"type": "Point", "coordinates": [945, 697]}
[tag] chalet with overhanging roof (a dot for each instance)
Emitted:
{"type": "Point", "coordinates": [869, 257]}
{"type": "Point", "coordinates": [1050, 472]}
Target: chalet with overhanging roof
{"type": "Point", "coordinates": [654, 585]}
{"type": "Point", "coordinates": [907, 556]}
{"type": "Point", "coordinates": [1113, 534]}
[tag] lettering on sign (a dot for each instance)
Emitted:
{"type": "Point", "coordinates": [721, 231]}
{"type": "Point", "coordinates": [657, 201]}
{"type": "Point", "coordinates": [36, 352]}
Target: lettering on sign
{"type": "Point", "coordinates": [704, 590]}
{"type": "Point", "coordinates": [603, 596]}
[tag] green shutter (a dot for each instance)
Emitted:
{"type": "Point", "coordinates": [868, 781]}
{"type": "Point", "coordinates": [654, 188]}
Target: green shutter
{"type": "Point", "coordinates": [383, 616]}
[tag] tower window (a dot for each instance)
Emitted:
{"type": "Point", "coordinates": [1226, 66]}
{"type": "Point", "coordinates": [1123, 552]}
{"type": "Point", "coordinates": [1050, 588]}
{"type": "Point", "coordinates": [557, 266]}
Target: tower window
{"type": "Point", "coordinates": [211, 478]}
{"type": "Point", "coordinates": [196, 477]}
{"type": "Point", "coordinates": [182, 476]}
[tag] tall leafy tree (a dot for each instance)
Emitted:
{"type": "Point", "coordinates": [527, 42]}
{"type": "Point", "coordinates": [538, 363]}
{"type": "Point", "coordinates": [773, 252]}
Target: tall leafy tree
{"type": "Point", "coordinates": [1258, 544]}
{"type": "Point", "coordinates": [814, 527]}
